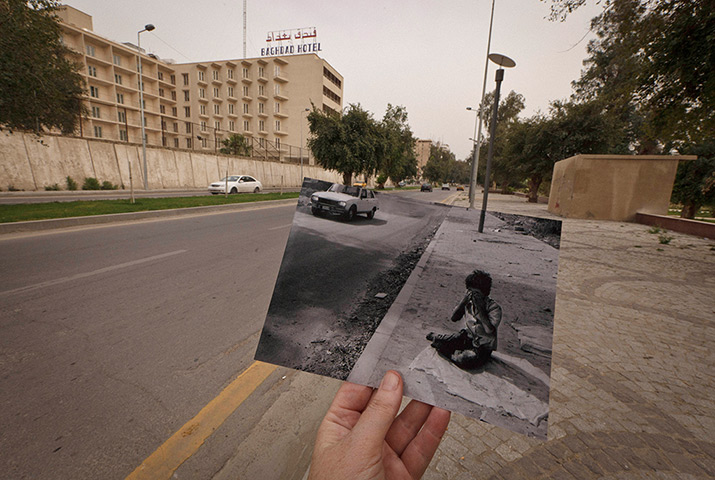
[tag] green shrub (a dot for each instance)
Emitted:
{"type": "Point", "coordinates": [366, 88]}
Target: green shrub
{"type": "Point", "coordinates": [663, 238]}
{"type": "Point", "coordinates": [71, 184]}
{"type": "Point", "coordinates": [107, 185]}
{"type": "Point", "coordinates": [655, 229]}
{"type": "Point", "coordinates": [52, 188]}
{"type": "Point", "coordinates": [91, 183]}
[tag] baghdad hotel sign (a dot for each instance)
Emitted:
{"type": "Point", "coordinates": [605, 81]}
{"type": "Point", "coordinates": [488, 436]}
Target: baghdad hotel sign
{"type": "Point", "coordinates": [290, 42]}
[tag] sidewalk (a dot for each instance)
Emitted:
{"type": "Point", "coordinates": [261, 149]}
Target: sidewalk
{"type": "Point", "coordinates": [633, 368]}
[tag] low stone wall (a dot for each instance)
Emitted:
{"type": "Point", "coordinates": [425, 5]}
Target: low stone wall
{"type": "Point", "coordinates": [677, 224]}
{"type": "Point", "coordinates": [28, 162]}
{"type": "Point", "coordinates": [613, 187]}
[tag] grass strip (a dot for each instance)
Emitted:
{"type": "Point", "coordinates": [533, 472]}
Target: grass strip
{"type": "Point", "coordinates": [84, 208]}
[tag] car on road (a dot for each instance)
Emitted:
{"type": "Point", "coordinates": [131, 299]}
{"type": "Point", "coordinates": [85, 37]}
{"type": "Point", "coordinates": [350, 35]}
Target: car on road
{"type": "Point", "coordinates": [345, 201]}
{"type": "Point", "coordinates": [236, 184]}
{"type": "Point", "coordinates": [426, 187]}
{"type": "Point", "coordinates": [445, 186]}
{"type": "Point", "coordinates": [460, 188]}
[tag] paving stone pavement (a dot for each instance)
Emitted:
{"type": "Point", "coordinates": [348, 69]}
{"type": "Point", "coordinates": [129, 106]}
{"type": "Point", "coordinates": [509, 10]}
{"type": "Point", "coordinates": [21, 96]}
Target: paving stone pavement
{"type": "Point", "coordinates": [633, 368]}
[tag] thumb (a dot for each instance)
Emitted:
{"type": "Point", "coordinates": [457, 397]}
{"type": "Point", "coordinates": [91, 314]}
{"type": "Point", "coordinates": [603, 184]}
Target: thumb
{"type": "Point", "coordinates": [380, 412]}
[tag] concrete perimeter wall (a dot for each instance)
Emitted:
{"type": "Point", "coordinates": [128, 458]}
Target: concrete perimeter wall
{"type": "Point", "coordinates": [28, 162]}
{"type": "Point", "coordinates": [613, 187]}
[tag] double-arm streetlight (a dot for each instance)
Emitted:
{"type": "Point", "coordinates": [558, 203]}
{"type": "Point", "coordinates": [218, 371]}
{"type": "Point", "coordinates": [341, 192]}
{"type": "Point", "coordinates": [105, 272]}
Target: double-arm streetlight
{"type": "Point", "coordinates": [147, 28]}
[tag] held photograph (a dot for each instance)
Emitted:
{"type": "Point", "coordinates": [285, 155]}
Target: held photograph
{"type": "Point", "coordinates": [372, 281]}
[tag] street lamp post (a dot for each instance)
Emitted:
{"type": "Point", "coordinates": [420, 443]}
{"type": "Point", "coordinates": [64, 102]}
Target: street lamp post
{"type": "Point", "coordinates": [478, 133]}
{"type": "Point", "coordinates": [502, 61]}
{"type": "Point", "coordinates": [301, 143]}
{"type": "Point", "coordinates": [147, 28]}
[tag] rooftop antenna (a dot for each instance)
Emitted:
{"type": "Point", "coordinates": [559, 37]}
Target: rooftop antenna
{"type": "Point", "coordinates": [244, 29]}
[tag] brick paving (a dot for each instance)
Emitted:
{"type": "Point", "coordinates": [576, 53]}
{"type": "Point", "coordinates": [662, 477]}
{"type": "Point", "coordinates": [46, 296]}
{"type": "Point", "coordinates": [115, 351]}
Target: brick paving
{"type": "Point", "coordinates": [633, 372]}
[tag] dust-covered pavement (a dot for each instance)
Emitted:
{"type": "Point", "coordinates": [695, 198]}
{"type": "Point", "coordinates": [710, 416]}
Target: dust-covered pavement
{"type": "Point", "coordinates": [512, 389]}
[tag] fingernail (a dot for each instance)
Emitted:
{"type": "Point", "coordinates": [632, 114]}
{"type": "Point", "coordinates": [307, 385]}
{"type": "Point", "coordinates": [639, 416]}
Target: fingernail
{"type": "Point", "coordinates": [390, 381]}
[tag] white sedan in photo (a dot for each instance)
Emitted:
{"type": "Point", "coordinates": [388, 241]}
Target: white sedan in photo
{"type": "Point", "coordinates": [236, 184]}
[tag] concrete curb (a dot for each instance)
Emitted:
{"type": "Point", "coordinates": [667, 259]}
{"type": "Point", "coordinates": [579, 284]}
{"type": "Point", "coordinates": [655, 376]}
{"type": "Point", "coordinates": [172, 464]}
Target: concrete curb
{"type": "Point", "coordinates": [42, 225]}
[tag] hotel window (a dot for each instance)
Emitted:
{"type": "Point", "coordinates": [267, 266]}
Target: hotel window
{"type": "Point", "coordinates": [215, 74]}
{"type": "Point", "coordinates": [160, 75]}
{"type": "Point", "coordinates": [277, 107]}
{"type": "Point", "coordinates": [188, 127]}
{"type": "Point", "coordinates": [261, 91]}
{"type": "Point", "coordinates": [122, 117]}
{"type": "Point", "coordinates": [230, 108]}
{"type": "Point", "coordinates": [140, 68]}
{"type": "Point", "coordinates": [117, 59]}
{"type": "Point", "coordinates": [230, 91]}
{"type": "Point", "coordinates": [186, 96]}
{"type": "Point", "coordinates": [176, 127]}
{"type": "Point", "coordinates": [229, 73]}
{"type": "Point", "coordinates": [141, 85]}
{"type": "Point", "coordinates": [162, 109]}
{"type": "Point", "coordinates": [204, 142]}
{"type": "Point", "coordinates": [163, 125]}
{"type": "Point", "coordinates": [217, 109]}
{"type": "Point", "coordinates": [92, 71]}
{"type": "Point", "coordinates": [278, 142]}
{"type": "Point", "coordinates": [202, 109]}
{"type": "Point", "coordinates": [90, 50]}
{"type": "Point", "coordinates": [176, 143]}
{"type": "Point", "coordinates": [188, 143]}
{"type": "Point", "coordinates": [261, 142]}
{"type": "Point", "coordinates": [117, 79]}
{"type": "Point", "coordinates": [231, 125]}
{"type": "Point", "coordinates": [123, 136]}
{"type": "Point", "coordinates": [202, 93]}
{"type": "Point", "coordinates": [144, 118]}
{"type": "Point", "coordinates": [216, 93]}
{"type": "Point", "coordinates": [245, 91]}
{"type": "Point", "coordinates": [185, 76]}
{"type": "Point", "coordinates": [95, 112]}
{"type": "Point", "coordinates": [173, 79]}
{"type": "Point", "coordinates": [120, 98]}
{"type": "Point", "coordinates": [246, 126]}
{"type": "Point", "coordinates": [98, 131]}
{"type": "Point", "coordinates": [261, 107]}
{"type": "Point", "coordinates": [94, 92]}
{"type": "Point", "coordinates": [277, 89]}
{"type": "Point", "coordinates": [245, 73]}
{"type": "Point", "coordinates": [278, 125]}
{"type": "Point", "coordinates": [277, 71]}
{"type": "Point", "coordinates": [261, 126]}
{"type": "Point", "coordinates": [203, 126]}
{"type": "Point", "coordinates": [245, 108]}
{"type": "Point", "coordinates": [201, 76]}
{"type": "Point", "coordinates": [187, 111]}
{"type": "Point", "coordinates": [144, 104]}
{"type": "Point", "coordinates": [261, 72]}
{"type": "Point", "coordinates": [173, 112]}
{"type": "Point", "coordinates": [173, 95]}
{"type": "Point", "coordinates": [217, 124]}
{"type": "Point", "coordinates": [161, 92]}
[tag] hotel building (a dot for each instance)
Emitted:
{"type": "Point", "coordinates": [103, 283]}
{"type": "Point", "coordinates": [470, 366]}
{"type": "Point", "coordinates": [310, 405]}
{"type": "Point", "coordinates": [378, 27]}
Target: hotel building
{"type": "Point", "coordinates": [197, 105]}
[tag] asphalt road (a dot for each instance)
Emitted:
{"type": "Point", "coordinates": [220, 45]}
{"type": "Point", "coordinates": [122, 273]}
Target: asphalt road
{"type": "Point", "coordinates": [112, 338]}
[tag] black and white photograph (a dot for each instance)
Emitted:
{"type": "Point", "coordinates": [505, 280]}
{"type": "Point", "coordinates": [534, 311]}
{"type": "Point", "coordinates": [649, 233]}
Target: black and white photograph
{"type": "Point", "coordinates": [373, 281]}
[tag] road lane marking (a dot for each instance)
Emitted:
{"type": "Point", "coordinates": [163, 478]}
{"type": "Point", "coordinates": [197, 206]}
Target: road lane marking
{"type": "Point", "coordinates": [188, 439]}
{"type": "Point", "coordinates": [78, 276]}
{"type": "Point", "coordinates": [282, 226]}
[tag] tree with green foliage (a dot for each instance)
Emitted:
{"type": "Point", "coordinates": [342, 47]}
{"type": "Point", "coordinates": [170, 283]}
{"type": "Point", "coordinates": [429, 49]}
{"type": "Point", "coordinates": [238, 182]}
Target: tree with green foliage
{"type": "Point", "coordinates": [236, 144]}
{"type": "Point", "coordinates": [695, 180]}
{"type": "Point", "coordinates": [398, 155]}
{"type": "Point", "coordinates": [440, 165]}
{"type": "Point", "coordinates": [40, 87]}
{"type": "Point", "coordinates": [350, 144]}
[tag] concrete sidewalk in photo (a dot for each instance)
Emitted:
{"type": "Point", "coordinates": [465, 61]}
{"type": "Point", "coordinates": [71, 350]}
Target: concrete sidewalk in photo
{"type": "Point", "coordinates": [633, 367]}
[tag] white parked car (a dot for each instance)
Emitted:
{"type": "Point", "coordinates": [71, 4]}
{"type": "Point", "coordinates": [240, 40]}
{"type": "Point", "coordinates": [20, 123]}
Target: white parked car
{"type": "Point", "coordinates": [236, 184]}
{"type": "Point", "coordinates": [344, 201]}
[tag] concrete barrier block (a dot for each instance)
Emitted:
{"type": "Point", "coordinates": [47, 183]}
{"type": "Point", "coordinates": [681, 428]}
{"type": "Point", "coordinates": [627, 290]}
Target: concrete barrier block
{"type": "Point", "coordinates": [185, 169]}
{"type": "Point", "coordinates": [104, 159]}
{"type": "Point", "coordinates": [15, 170]}
{"type": "Point", "coordinates": [165, 164]}
{"type": "Point", "coordinates": [205, 169]}
{"type": "Point", "coordinates": [73, 154]}
{"type": "Point", "coordinates": [129, 154]}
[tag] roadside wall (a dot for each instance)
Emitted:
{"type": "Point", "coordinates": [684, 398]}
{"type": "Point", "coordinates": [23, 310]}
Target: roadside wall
{"type": "Point", "coordinates": [613, 187]}
{"type": "Point", "coordinates": [28, 162]}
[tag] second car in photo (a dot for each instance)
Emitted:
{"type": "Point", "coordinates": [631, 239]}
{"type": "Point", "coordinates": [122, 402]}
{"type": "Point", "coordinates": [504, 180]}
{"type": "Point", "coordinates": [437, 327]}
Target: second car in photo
{"type": "Point", "coordinates": [236, 184]}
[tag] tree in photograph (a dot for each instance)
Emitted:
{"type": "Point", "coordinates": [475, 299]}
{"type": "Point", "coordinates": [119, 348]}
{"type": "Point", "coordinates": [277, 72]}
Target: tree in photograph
{"type": "Point", "coordinates": [439, 167]}
{"type": "Point", "coordinates": [40, 87]}
{"type": "Point", "coordinates": [398, 154]}
{"type": "Point", "coordinates": [236, 144]}
{"type": "Point", "coordinates": [694, 185]}
{"type": "Point", "coordinates": [350, 144]}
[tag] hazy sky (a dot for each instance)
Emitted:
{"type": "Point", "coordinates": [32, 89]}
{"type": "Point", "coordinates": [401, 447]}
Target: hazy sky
{"type": "Point", "coordinates": [424, 54]}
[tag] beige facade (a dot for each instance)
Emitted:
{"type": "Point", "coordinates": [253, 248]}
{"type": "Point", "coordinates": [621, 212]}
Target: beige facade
{"type": "Point", "coordinates": [422, 152]}
{"type": "Point", "coordinates": [197, 105]}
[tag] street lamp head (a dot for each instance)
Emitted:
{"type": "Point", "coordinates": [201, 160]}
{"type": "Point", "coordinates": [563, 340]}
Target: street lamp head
{"type": "Point", "coordinates": [149, 27]}
{"type": "Point", "coordinates": [502, 60]}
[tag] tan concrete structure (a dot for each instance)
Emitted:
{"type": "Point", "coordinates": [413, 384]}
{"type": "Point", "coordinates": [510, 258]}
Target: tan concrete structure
{"type": "Point", "coordinates": [422, 151]}
{"type": "Point", "coordinates": [613, 187]}
{"type": "Point", "coordinates": [33, 163]}
{"type": "Point", "coordinates": [197, 105]}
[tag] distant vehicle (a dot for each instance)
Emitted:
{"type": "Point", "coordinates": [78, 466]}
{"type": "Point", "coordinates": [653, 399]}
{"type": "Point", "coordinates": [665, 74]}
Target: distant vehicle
{"type": "Point", "coordinates": [360, 184]}
{"type": "Point", "coordinates": [344, 201]}
{"type": "Point", "coordinates": [236, 184]}
{"type": "Point", "coordinates": [426, 187]}
{"type": "Point", "coordinates": [402, 184]}
{"type": "Point", "coordinates": [445, 186]}
{"type": "Point", "coordinates": [460, 188]}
